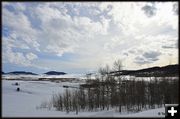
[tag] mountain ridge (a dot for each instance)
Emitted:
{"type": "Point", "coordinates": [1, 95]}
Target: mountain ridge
{"type": "Point", "coordinates": [54, 73]}
{"type": "Point", "coordinates": [168, 70]}
{"type": "Point", "coordinates": [20, 72]}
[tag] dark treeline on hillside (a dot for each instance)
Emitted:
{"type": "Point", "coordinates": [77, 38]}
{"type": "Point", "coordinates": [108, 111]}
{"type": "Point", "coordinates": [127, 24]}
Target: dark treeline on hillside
{"type": "Point", "coordinates": [169, 71]}
{"type": "Point", "coordinates": [20, 72]}
{"type": "Point", "coordinates": [108, 91]}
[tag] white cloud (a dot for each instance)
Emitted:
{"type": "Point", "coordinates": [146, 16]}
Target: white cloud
{"type": "Point", "coordinates": [20, 28]}
{"type": "Point", "coordinates": [122, 30]}
{"type": "Point", "coordinates": [31, 56]}
{"type": "Point", "coordinates": [64, 34]}
{"type": "Point", "coordinates": [15, 58]}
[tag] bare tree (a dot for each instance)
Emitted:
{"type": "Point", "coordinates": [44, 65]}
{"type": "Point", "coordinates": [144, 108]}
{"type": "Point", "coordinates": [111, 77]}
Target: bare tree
{"type": "Point", "coordinates": [66, 100]}
{"type": "Point", "coordinates": [118, 67]}
{"type": "Point", "coordinates": [112, 90]}
{"type": "Point", "coordinates": [102, 72]}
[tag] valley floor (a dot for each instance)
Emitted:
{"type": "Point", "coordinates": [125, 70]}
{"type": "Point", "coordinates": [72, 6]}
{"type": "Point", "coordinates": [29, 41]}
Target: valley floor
{"type": "Point", "coordinates": [26, 103]}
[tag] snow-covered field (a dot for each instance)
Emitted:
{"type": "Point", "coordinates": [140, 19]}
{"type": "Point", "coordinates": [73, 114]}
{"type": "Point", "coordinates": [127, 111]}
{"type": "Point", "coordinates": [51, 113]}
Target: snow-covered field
{"type": "Point", "coordinates": [26, 102]}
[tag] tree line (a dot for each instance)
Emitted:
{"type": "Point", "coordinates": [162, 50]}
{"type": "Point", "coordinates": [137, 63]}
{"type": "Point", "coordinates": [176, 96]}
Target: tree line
{"type": "Point", "coordinates": [108, 91]}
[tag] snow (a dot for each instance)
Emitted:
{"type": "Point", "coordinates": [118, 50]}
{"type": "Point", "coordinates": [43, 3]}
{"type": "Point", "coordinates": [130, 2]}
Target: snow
{"type": "Point", "coordinates": [35, 77]}
{"type": "Point", "coordinates": [32, 93]}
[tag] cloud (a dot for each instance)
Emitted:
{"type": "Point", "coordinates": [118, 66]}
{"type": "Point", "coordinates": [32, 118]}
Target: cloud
{"type": "Point", "coordinates": [147, 58]}
{"type": "Point", "coordinates": [58, 33]}
{"type": "Point", "coordinates": [151, 54]}
{"type": "Point", "coordinates": [20, 28]}
{"type": "Point", "coordinates": [31, 56]}
{"type": "Point", "coordinates": [141, 61]}
{"type": "Point", "coordinates": [64, 33]}
{"type": "Point", "coordinates": [170, 46]}
{"type": "Point", "coordinates": [95, 32]}
{"type": "Point", "coordinates": [149, 10]}
{"type": "Point", "coordinates": [18, 58]}
{"type": "Point", "coordinates": [175, 8]}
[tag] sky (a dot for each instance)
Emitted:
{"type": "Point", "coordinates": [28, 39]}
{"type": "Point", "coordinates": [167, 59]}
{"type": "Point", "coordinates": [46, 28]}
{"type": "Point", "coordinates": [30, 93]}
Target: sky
{"type": "Point", "coordinates": [80, 37]}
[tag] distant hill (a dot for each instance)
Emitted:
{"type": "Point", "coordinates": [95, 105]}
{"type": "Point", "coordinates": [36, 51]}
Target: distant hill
{"type": "Point", "coordinates": [169, 70]}
{"type": "Point", "coordinates": [54, 73]}
{"type": "Point", "coordinates": [21, 72]}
